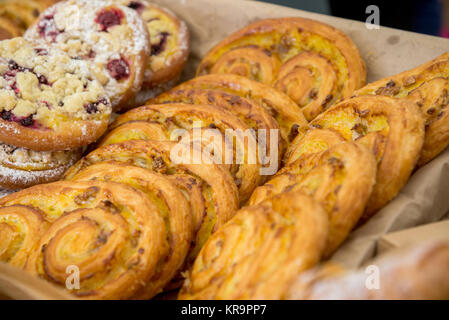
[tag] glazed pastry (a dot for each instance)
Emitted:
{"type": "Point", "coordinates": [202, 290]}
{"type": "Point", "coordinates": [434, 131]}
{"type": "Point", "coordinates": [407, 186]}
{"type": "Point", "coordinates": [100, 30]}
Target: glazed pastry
{"type": "Point", "coordinates": [49, 102]}
{"type": "Point", "coordinates": [22, 168]}
{"type": "Point", "coordinates": [112, 38]}
{"type": "Point", "coordinates": [340, 179]}
{"type": "Point", "coordinates": [392, 128]}
{"type": "Point", "coordinates": [314, 141]}
{"type": "Point", "coordinates": [313, 63]}
{"type": "Point", "coordinates": [250, 112]}
{"type": "Point", "coordinates": [113, 233]}
{"type": "Point", "coordinates": [172, 206]}
{"type": "Point", "coordinates": [288, 115]}
{"type": "Point", "coordinates": [428, 86]}
{"type": "Point", "coordinates": [136, 130]}
{"type": "Point", "coordinates": [218, 190]}
{"type": "Point", "coordinates": [244, 165]}
{"type": "Point", "coordinates": [240, 261]}
{"type": "Point", "coordinates": [418, 273]}
{"type": "Point", "coordinates": [170, 47]}
{"type": "Point", "coordinates": [23, 13]}
{"type": "Point", "coordinates": [21, 228]}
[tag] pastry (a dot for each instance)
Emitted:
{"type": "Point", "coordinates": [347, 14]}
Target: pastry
{"type": "Point", "coordinates": [50, 102]}
{"type": "Point", "coordinates": [21, 228]}
{"type": "Point", "coordinates": [393, 129]}
{"type": "Point", "coordinates": [288, 115]}
{"type": "Point", "coordinates": [244, 164]}
{"type": "Point", "coordinates": [341, 179]}
{"type": "Point", "coordinates": [250, 112]}
{"type": "Point", "coordinates": [428, 86]}
{"type": "Point", "coordinates": [172, 205]}
{"type": "Point", "coordinates": [22, 168]}
{"type": "Point", "coordinates": [112, 233]}
{"type": "Point", "coordinates": [8, 29]}
{"type": "Point", "coordinates": [215, 184]}
{"type": "Point", "coordinates": [314, 141]}
{"type": "Point", "coordinates": [240, 261]}
{"type": "Point", "coordinates": [170, 47]}
{"type": "Point", "coordinates": [313, 63]}
{"type": "Point", "coordinates": [418, 273]}
{"type": "Point", "coordinates": [136, 130]}
{"type": "Point", "coordinates": [112, 38]}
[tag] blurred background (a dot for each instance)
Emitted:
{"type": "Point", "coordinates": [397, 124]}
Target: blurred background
{"type": "Point", "coordinates": [423, 16]}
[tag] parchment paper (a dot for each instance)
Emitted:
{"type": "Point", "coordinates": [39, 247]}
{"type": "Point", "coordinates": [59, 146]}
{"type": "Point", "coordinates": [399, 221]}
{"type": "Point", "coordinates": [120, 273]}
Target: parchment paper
{"type": "Point", "coordinates": [386, 52]}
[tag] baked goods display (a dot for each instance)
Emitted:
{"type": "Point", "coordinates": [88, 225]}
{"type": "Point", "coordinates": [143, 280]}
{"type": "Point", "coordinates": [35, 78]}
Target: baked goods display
{"type": "Point", "coordinates": [313, 63]}
{"type": "Point", "coordinates": [426, 85]}
{"type": "Point", "coordinates": [174, 191]}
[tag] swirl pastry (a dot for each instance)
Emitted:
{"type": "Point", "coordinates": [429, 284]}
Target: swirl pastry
{"type": "Point", "coordinates": [49, 102]}
{"type": "Point", "coordinates": [240, 261]}
{"type": "Point", "coordinates": [136, 130]}
{"type": "Point", "coordinates": [112, 233]}
{"type": "Point", "coordinates": [170, 47]}
{"type": "Point", "coordinates": [428, 86]}
{"type": "Point", "coordinates": [314, 141]}
{"type": "Point", "coordinates": [340, 179]}
{"type": "Point", "coordinates": [250, 112]}
{"type": "Point", "coordinates": [313, 63]}
{"type": "Point", "coordinates": [21, 228]}
{"type": "Point", "coordinates": [111, 37]}
{"type": "Point", "coordinates": [245, 166]}
{"type": "Point", "coordinates": [287, 114]}
{"type": "Point", "coordinates": [211, 189]}
{"type": "Point", "coordinates": [8, 29]}
{"type": "Point", "coordinates": [170, 202]}
{"type": "Point", "coordinates": [392, 128]}
{"type": "Point", "coordinates": [414, 274]}
{"type": "Point", "coordinates": [21, 168]}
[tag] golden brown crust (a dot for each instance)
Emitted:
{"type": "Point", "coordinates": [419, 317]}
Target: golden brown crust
{"type": "Point", "coordinates": [340, 179]}
{"type": "Point", "coordinates": [284, 110]}
{"type": "Point", "coordinates": [415, 274]}
{"type": "Point", "coordinates": [314, 141]}
{"type": "Point", "coordinates": [250, 112]}
{"type": "Point", "coordinates": [428, 86]}
{"type": "Point", "coordinates": [21, 228]}
{"type": "Point", "coordinates": [8, 29]}
{"type": "Point", "coordinates": [393, 129]}
{"type": "Point", "coordinates": [314, 63]}
{"type": "Point", "coordinates": [112, 233]}
{"type": "Point", "coordinates": [240, 261]}
{"type": "Point", "coordinates": [135, 130]}
{"type": "Point", "coordinates": [172, 205]}
{"type": "Point", "coordinates": [246, 171]}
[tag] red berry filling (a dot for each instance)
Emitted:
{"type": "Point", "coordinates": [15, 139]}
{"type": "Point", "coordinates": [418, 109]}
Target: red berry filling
{"type": "Point", "coordinates": [118, 69]}
{"type": "Point", "coordinates": [41, 51]}
{"type": "Point", "coordinates": [24, 121]}
{"type": "Point", "coordinates": [109, 17]}
{"type": "Point", "coordinates": [93, 107]}
{"type": "Point", "coordinates": [47, 28]}
{"type": "Point", "coordinates": [158, 48]}
{"type": "Point", "coordinates": [135, 5]}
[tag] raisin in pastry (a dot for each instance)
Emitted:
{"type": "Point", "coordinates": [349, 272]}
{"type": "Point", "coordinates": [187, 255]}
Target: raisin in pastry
{"type": "Point", "coordinates": [170, 44]}
{"type": "Point", "coordinates": [49, 102]}
{"type": "Point", "coordinates": [113, 38]}
{"type": "Point", "coordinates": [22, 168]}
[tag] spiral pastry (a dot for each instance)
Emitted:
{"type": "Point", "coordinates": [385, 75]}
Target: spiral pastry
{"type": "Point", "coordinates": [170, 202]}
{"type": "Point", "coordinates": [287, 114]}
{"type": "Point", "coordinates": [211, 190]}
{"type": "Point", "coordinates": [244, 165]}
{"type": "Point", "coordinates": [340, 179]}
{"type": "Point", "coordinates": [250, 112]}
{"type": "Point", "coordinates": [136, 130]}
{"type": "Point", "coordinates": [8, 29]}
{"type": "Point", "coordinates": [21, 228]}
{"type": "Point", "coordinates": [313, 63]}
{"type": "Point", "coordinates": [392, 128]}
{"type": "Point", "coordinates": [428, 86]}
{"type": "Point", "coordinates": [418, 273]}
{"type": "Point", "coordinates": [314, 141]}
{"type": "Point", "coordinates": [241, 259]}
{"type": "Point", "coordinates": [111, 233]}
